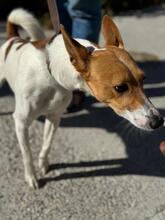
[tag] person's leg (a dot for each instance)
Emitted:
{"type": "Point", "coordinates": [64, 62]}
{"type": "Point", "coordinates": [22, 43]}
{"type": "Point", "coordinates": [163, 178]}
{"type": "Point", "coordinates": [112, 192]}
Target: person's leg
{"type": "Point", "coordinates": [86, 16]}
{"type": "Point", "coordinates": [65, 18]}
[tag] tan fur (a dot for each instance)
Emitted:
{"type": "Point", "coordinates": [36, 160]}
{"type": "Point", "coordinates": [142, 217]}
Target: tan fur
{"type": "Point", "coordinates": [40, 44]}
{"type": "Point", "coordinates": [12, 30]}
{"type": "Point", "coordinates": [107, 68]}
{"type": "Point", "coordinates": [23, 42]}
{"type": "Point", "coordinates": [8, 48]}
{"type": "Point", "coordinates": [111, 33]}
{"type": "Point", "coordinates": [79, 55]}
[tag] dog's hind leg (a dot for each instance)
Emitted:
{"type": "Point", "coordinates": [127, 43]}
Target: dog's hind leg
{"type": "Point", "coordinates": [51, 125]}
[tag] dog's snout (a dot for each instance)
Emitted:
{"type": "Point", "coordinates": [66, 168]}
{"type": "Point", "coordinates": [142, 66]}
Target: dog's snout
{"type": "Point", "coordinates": [156, 121]}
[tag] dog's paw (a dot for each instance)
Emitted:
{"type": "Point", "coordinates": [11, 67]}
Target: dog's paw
{"type": "Point", "coordinates": [32, 181]}
{"type": "Point", "coordinates": [43, 166]}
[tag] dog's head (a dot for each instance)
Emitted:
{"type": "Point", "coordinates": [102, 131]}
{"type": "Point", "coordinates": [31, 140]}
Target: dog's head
{"type": "Point", "coordinates": [113, 77]}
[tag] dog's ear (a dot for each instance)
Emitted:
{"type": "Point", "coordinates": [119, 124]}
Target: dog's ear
{"type": "Point", "coordinates": [111, 33]}
{"type": "Point", "coordinates": [79, 55]}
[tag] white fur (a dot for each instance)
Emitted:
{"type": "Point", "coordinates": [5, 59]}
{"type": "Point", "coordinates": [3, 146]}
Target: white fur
{"type": "Point", "coordinates": [141, 116]}
{"type": "Point", "coordinates": [39, 92]}
{"type": "Point", "coordinates": [36, 93]}
{"type": "Point", "coordinates": [28, 22]}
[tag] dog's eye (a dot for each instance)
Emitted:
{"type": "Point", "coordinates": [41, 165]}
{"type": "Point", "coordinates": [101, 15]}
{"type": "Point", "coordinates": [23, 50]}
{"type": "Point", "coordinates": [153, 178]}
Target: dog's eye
{"type": "Point", "coordinates": [121, 88]}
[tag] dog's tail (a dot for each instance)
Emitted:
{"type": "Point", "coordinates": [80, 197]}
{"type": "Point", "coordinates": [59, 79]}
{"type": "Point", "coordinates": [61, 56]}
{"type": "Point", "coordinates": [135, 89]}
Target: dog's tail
{"type": "Point", "coordinates": [22, 18]}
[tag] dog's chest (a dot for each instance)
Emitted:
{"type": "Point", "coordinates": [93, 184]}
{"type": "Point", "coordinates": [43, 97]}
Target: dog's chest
{"type": "Point", "coordinates": [51, 100]}
{"type": "Point", "coordinates": [58, 101]}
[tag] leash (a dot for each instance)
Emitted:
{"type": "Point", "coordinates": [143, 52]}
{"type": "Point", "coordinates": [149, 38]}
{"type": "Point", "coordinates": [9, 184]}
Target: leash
{"type": "Point", "coordinates": [54, 15]}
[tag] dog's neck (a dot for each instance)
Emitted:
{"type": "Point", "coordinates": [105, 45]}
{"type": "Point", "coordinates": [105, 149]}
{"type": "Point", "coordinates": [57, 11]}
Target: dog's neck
{"type": "Point", "coordinates": [62, 69]}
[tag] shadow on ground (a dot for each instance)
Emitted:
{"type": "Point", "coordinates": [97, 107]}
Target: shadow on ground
{"type": "Point", "coordinates": [143, 155]}
{"type": "Point", "coordinates": [142, 148]}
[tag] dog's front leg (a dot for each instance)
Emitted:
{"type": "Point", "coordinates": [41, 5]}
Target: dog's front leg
{"type": "Point", "coordinates": [51, 124]}
{"type": "Point", "coordinates": [23, 139]}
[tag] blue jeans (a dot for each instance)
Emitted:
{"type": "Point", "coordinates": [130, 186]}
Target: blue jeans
{"type": "Point", "coordinates": [81, 18]}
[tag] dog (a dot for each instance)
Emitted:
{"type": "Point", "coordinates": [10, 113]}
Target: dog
{"type": "Point", "coordinates": [43, 73]}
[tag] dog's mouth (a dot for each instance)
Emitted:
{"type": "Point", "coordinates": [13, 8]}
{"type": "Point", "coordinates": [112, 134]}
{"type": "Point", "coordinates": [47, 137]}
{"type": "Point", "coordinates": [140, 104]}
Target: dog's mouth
{"type": "Point", "coordinates": [146, 117]}
{"type": "Point", "coordinates": [148, 122]}
{"type": "Point", "coordinates": [145, 122]}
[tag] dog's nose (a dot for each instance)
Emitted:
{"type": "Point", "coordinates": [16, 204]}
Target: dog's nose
{"type": "Point", "coordinates": [156, 121]}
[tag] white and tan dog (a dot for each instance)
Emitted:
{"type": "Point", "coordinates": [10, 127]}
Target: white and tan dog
{"type": "Point", "coordinates": [43, 74]}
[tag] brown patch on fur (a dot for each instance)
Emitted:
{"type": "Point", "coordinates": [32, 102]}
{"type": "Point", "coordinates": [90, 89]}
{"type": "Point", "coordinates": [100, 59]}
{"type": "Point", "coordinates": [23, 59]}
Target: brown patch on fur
{"type": "Point", "coordinates": [40, 44]}
{"type": "Point", "coordinates": [22, 41]}
{"type": "Point", "coordinates": [113, 67]}
{"type": "Point", "coordinates": [9, 48]}
{"type": "Point", "coordinates": [105, 70]}
{"type": "Point", "coordinates": [21, 45]}
{"type": "Point", "coordinates": [79, 55]}
{"type": "Point", "coordinates": [111, 33]}
{"type": "Point", "coordinates": [128, 61]}
{"type": "Point", "coordinates": [12, 30]}
{"type": "Point", "coordinates": [16, 40]}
